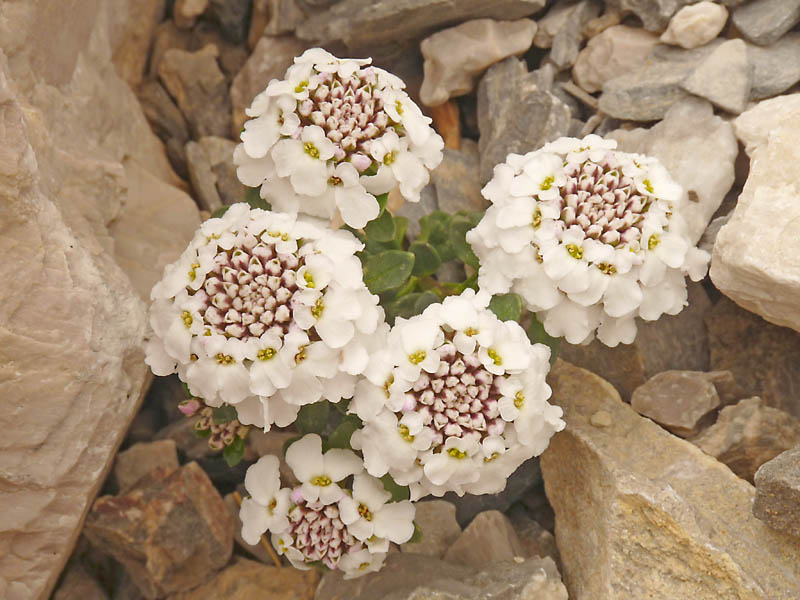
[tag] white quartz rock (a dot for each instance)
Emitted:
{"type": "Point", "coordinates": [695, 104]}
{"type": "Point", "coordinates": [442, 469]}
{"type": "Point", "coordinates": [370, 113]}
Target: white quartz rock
{"type": "Point", "coordinates": [695, 25]}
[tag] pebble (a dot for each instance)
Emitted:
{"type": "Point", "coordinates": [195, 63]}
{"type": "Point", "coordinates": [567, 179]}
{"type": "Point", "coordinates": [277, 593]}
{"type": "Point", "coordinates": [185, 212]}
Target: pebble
{"type": "Point", "coordinates": [777, 501]}
{"type": "Point", "coordinates": [456, 179]}
{"type": "Point", "coordinates": [437, 521]}
{"type": "Point", "coordinates": [142, 458]}
{"type": "Point", "coordinates": [213, 174]}
{"type": "Point", "coordinates": [488, 538]}
{"type": "Point", "coordinates": [764, 22]}
{"type": "Point", "coordinates": [695, 25]}
{"type": "Point", "coordinates": [724, 77]}
{"type": "Point", "coordinates": [776, 67]}
{"type": "Point", "coordinates": [232, 18]}
{"type": "Point", "coordinates": [186, 12]}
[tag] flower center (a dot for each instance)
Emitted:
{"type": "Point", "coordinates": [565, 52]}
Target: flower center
{"type": "Point", "coordinates": [417, 357]}
{"type": "Point", "coordinates": [317, 531]}
{"type": "Point", "coordinates": [266, 353]}
{"type": "Point", "coordinates": [364, 512]}
{"type": "Point", "coordinates": [456, 453]}
{"type": "Point", "coordinates": [311, 150]}
{"type": "Point", "coordinates": [321, 480]}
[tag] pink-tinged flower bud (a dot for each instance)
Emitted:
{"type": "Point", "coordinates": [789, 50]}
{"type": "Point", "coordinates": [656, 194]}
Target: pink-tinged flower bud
{"type": "Point", "coordinates": [189, 407]}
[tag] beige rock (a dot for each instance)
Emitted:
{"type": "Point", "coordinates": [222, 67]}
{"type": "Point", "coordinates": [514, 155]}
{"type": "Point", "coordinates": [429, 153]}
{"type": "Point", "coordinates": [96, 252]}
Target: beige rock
{"type": "Point", "coordinates": [614, 52]}
{"type": "Point", "coordinates": [77, 584]}
{"type": "Point", "coordinates": [437, 521]}
{"type": "Point", "coordinates": [748, 434]}
{"type": "Point", "coordinates": [490, 537]}
{"type": "Point", "coordinates": [724, 77]}
{"type": "Point", "coordinates": [167, 122]}
{"type": "Point", "coordinates": [762, 272]}
{"type": "Point", "coordinates": [250, 580]}
{"type": "Point", "coordinates": [695, 25]}
{"type": "Point", "coordinates": [74, 148]}
{"type": "Point", "coordinates": [138, 460]}
{"type": "Point", "coordinates": [777, 500]}
{"type": "Point", "coordinates": [270, 59]}
{"type": "Point", "coordinates": [259, 17]}
{"type": "Point", "coordinates": [212, 173]}
{"type": "Point", "coordinates": [455, 57]}
{"type": "Point", "coordinates": [534, 539]}
{"type": "Point", "coordinates": [284, 17]}
{"type": "Point", "coordinates": [167, 36]}
{"type": "Point", "coordinates": [643, 514]}
{"type": "Point", "coordinates": [186, 12]}
{"type": "Point", "coordinates": [131, 33]}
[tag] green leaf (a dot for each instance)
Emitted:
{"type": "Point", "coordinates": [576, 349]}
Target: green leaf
{"type": "Point", "coordinates": [537, 335]}
{"type": "Point", "coordinates": [416, 537]}
{"type": "Point", "coordinates": [398, 492]}
{"type": "Point", "coordinates": [405, 307]}
{"type": "Point", "coordinates": [186, 391]}
{"type": "Point", "coordinates": [253, 197]}
{"type": "Point", "coordinates": [507, 307]}
{"type": "Point", "coordinates": [387, 270]}
{"type": "Point", "coordinates": [202, 433]}
{"type": "Point", "coordinates": [400, 228]}
{"type": "Point", "coordinates": [426, 259]}
{"type": "Point", "coordinates": [219, 212]}
{"type": "Point", "coordinates": [234, 452]}
{"type": "Point", "coordinates": [382, 199]}
{"type": "Point", "coordinates": [313, 418]}
{"type": "Point", "coordinates": [224, 414]}
{"type": "Point", "coordinates": [463, 251]}
{"type": "Point", "coordinates": [381, 229]}
{"type": "Point", "coordinates": [425, 299]}
{"type": "Point", "coordinates": [340, 438]}
{"type": "Point", "coordinates": [433, 224]}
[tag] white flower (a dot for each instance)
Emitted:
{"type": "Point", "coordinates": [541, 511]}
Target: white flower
{"type": "Point", "coordinates": [369, 513]}
{"type": "Point", "coordinates": [439, 427]}
{"type": "Point", "coordinates": [267, 506]}
{"type": "Point", "coordinates": [264, 312]}
{"type": "Point", "coordinates": [320, 473]}
{"type": "Point", "coordinates": [336, 132]}
{"type": "Point", "coordinates": [589, 237]}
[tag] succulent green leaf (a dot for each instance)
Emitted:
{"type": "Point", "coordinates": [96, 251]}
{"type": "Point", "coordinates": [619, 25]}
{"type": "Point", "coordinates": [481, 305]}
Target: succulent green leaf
{"type": "Point", "coordinates": [313, 418]}
{"type": "Point", "coordinates": [398, 492]}
{"type": "Point", "coordinates": [224, 414]}
{"type": "Point", "coordinates": [426, 259]}
{"type": "Point", "coordinates": [381, 229]}
{"type": "Point", "coordinates": [234, 452]}
{"type": "Point", "coordinates": [387, 270]}
{"type": "Point", "coordinates": [507, 307]}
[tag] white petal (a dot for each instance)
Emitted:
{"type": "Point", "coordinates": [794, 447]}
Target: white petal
{"type": "Point", "coordinates": [262, 479]}
{"type": "Point", "coordinates": [305, 457]}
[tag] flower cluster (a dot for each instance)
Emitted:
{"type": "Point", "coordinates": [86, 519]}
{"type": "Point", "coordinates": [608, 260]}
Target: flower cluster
{"type": "Point", "coordinates": [319, 521]}
{"type": "Point", "coordinates": [456, 401]}
{"type": "Point", "coordinates": [589, 237]}
{"type": "Point", "coordinates": [332, 135]}
{"type": "Point", "coordinates": [264, 312]}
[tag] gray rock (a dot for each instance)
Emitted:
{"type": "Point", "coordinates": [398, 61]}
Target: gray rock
{"type": "Point", "coordinates": [680, 401]}
{"type": "Point", "coordinates": [724, 77]}
{"type": "Point", "coordinates": [655, 14]}
{"type": "Point", "coordinates": [77, 584]}
{"type": "Point", "coordinates": [413, 211]}
{"type": "Point", "coordinates": [748, 434]}
{"type": "Point", "coordinates": [140, 459]}
{"type": "Point", "coordinates": [437, 521]}
{"type": "Point", "coordinates": [365, 23]}
{"type": "Point", "coordinates": [232, 17]}
{"type": "Point", "coordinates": [213, 174]}
{"type": "Point", "coordinates": [710, 234]}
{"type": "Point", "coordinates": [189, 445]}
{"type": "Point", "coordinates": [567, 41]}
{"type": "Point", "coordinates": [458, 186]}
{"type": "Point", "coordinates": [489, 538]}
{"type": "Point", "coordinates": [564, 15]}
{"type": "Point", "coordinates": [695, 25]}
{"type": "Point", "coordinates": [199, 88]}
{"type": "Point", "coordinates": [167, 122]}
{"type": "Point", "coordinates": [535, 539]}
{"type": "Point", "coordinates": [777, 500]}
{"type": "Point", "coordinates": [284, 17]}
{"type": "Point", "coordinates": [514, 115]}
{"type": "Point", "coordinates": [765, 21]}
{"type": "Point", "coordinates": [776, 67]}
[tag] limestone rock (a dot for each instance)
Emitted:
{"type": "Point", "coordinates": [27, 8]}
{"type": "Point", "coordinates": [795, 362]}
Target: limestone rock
{"type": "Point", "coordinates": [259, 18]}
{"type": "Point", "coordinates": [198, 86]}
{"type": "Point", "coordinates": [186, 12]}
{"type": "Point", "coordinates": [489, 538]}
{"type": "Point", "coordinates": [456, 179]}
{"type": "Point", "coordinates": [140, 459]}
{"type": "Point", "coordinates": [213, 174]}
{"type": "Point", "coordinates": [515, 116]}
{"type": "Point", "coordinates": [561, 16]}
{"type": "Point", "coordinates": [534, 539]}
{"type": "Point", "coordinates": [284, 17]}
{"type": "Point", "coordinates": [567, 42]}
{"type": "Point", "coordinates": [775, 68]}
{"type": "Point", "coordinates": [167, 122]}
{"type": "Point", "coordinates": [675, 342]}
{"type": "Point", "coordinates": [614, 52]}
{"type": "Point", "coordinates": [170, 532]}
{"type": "Point", "coordinates": [232, 17]}
{"type": "Point", "coordinates": [776, 351]}
{"type": "Point", "coordinates": [724, 77]}
{"type": "Point", "coordinates": [765, 21]}
{"type": "Point", "coordinates": [250, 580]}
{"type": "Point", "coordinates": [698, 149]}
{"type": "Point", "coordinates": [655, 14]}
{"type": "Point", "coordinates": [455, 57]}
{"type": "Point", "coordinates": [777, 500]}
{"type": "Point", "coordinates": [270, 59]}
{"type": "Point", "coordinates": [641, 513]}
{"type": "Point", "coordinates": [131, 33]}
{"type": "Point", "coordinates": [75, 148]}
{"type": "Point", "coordinates": [695, 25]}
{"type": "Point", "coordinates": [728, 389]}
{"type": "Point", "coordinates": [77, 584]}
{"type": "Point", "coordinates": [748, 434]}
{"type": "Point", "coordinates": [364, 23]}
{"type": "Point", "coordinates": [761, 272]}
{"type": "Point", "coordinates": [680, 401]}
{"type": "Point", "coordinates": [437, 521]}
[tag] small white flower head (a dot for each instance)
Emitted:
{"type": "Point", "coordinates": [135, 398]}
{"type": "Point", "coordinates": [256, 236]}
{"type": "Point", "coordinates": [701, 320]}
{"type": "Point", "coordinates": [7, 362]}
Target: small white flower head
{"type": "Point", "coordinates": [460, 403]}
{"type": "Point", "coordinates": [320, 521]}
{"type": "Point", "coordinates": [590, 237]}
{"type": "Point", "coordinates": [264, 312]}
{"type": "Point", "coordinates": [334, 134]}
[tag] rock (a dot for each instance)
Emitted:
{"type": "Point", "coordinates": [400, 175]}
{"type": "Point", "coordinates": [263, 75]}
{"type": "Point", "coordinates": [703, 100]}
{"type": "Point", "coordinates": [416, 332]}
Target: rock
{"type": "Point", "coordinates": [77, 584]}
{"type": "Point", "coordinates": [775, 69]}
{"type": "Point", "coordinates": [655, 14]}
{"type": "Point", "coordinates": [598, 25]}
{"type": "Point", "coordinates": [534, 539]}
{"type": "Point", "coordinates": [250, 580]}
{"type": "Point", "coordinates": [167, 122]}
{"type": "Point", "coordinates": [776, 351]}
{"type": "Point", "coordinates": [437, 521]}
{"type": "Point", "coordinates": [258, 551]}
{"type": "Point", "coordinates": [675, 342]}
{"type": "Point", "coordinates": [447, 123]}
{"type": "Point", "coordinates": [455, 57]}
{"type": "Point", "coordinates": [140, 459]}
{"type": "Point", "coordinates": [259, 18]}
{"type": "Point", "coordinates": [167, 36]}
{"type": "Point", "coordinates": [567, 41]}
{"type": "Point", "coordinates": [682, 402]}
{"type": "Point", "coordinates": [186, 12]}
{"type": "Point", "coordinates": [456, 179]}
{"type": "Point", "coordinates": [75, 150]}
{"type": "Point", "coordinates": [748, 434]}
{"type": "Point", "coordinates": [562, 16]}
{"type": "Point", "coordinates": [760, 272]}
{"type": "Point", "coordinates": [232, 17]}
{"type": "Point", "coordinates": [131, 34]}
{"type": "Point", "coordinates": [777, 500]}
{"type": "Point", "coordinates": [641, 513]}
{"type": "Point", "coordinates": [198, 86]}
{"type": "Point", "coordinates": [164, 396]}
{"type": "Point", "coordinates": [765, 21]}
{"type": "Point", "coordinates": [258, 444]}
{"type": "Point", "coordinates": [699, 150]}
{"type": "Point", "coordinates": [728, 389]}
{"type": "Point", "coordinates": [413, 211]}
{"type": "Point", "coordinates": [213, 174]}
{"type": "Point", "coordinates": [170, 532]}
{"type": "Point", "coordinates": [190, 447]}
{"type": "Point", "coordinates": [515, 116]}
{"type": "Point", "coordinates": [489, 538]}
{"type": "Point", "coordinates": [418, 577]}
{"type": "Point", "coordinates": [270, 59]}
{"type": "Point", "coordinates": [724, 77]}
{"type": "Point", "coordinates": [709, 236]}
{"type": "Point", "coordinates": [695, 25]}
{"type": "Point", "coordinates": [364, 23]}
{"type": "Point", "coordinates": [284, 17]}
{"type": "Point", "coordinates": [616, 51]}
{"type": "Point", "coordinates": [145, 424]}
